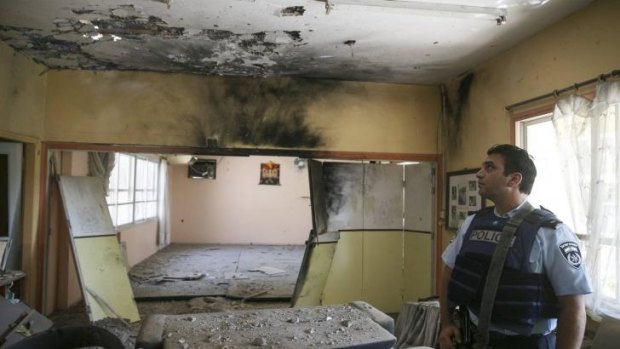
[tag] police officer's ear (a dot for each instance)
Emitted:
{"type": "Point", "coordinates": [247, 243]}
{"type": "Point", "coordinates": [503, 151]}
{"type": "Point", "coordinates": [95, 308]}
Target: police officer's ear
{"type": "Point", "coordinates": [515, 179]}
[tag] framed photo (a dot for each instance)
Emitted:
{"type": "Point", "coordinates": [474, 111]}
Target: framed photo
{"type": "Point", "coordinates": [462, 198]}
{"type": "Point", "coordinates": [269, 173]}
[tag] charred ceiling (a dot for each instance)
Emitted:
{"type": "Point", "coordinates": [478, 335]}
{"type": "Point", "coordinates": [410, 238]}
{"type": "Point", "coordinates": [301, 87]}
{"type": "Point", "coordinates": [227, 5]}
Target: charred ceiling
{"type": "Point", "coordinates": [263, 38]}
{"type": "Point", "coordinates": [125, 38]}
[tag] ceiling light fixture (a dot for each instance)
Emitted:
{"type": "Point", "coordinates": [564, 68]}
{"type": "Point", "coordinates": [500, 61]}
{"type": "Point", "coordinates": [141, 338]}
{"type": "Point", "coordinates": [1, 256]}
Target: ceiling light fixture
{"type": "Point", "coordinates": [430, 8]}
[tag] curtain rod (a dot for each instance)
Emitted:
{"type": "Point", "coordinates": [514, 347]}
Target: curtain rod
{"type": "Point", "coordinates": [555, 93]}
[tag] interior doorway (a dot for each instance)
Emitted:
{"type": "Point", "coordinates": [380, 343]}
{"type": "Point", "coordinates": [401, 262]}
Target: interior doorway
{"type": "Point", "coordinates": [11, 177]}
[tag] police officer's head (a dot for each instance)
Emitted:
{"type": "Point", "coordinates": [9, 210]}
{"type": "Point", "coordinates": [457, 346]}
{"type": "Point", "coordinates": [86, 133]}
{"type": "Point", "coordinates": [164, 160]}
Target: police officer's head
{"type": "Point", "coordinates": [516, 160]}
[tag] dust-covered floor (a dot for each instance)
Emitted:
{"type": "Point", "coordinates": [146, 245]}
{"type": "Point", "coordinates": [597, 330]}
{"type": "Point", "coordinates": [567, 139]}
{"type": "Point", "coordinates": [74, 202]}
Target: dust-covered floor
{"type": "Point", "coordinates": [127, 333]}
{"type": "Point", "coordinates": [234, 271]}
{"type": "Point", "coordinates": [198, 279]}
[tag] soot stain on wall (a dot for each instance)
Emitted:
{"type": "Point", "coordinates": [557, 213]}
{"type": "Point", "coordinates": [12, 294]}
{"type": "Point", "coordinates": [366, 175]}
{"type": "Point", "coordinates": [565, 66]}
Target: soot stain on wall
{"type": "Point", "coordinates": [452, 110]}
{"type": "Point", "coordinates": [262, 112]}
{"type": "Point", "coordinates": [338, 179]}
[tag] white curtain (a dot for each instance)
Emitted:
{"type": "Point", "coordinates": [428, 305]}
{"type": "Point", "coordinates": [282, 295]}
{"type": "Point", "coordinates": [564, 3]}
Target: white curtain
{"type": "Point", "coordinates": [163, 234]}
{"type": "Point", "coordinates": [588, 136]}
{"type": "Point", "coordinates": [100, 165]}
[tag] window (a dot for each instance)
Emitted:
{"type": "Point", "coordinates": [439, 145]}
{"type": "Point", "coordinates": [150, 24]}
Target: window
{"type": "Point", "coordinates": [132, 194]}
{"type": "Point", "coordinates": [538, 138]}
{"type": "Point", "coordinates": [578, 178]}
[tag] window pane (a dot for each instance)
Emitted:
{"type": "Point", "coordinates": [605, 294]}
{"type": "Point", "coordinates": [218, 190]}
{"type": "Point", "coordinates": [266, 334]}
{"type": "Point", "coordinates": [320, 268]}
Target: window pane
{"type": "Point", "coordinates": [151, 209]}
{"type": "Point", "coordinates": [140, 195]}
{"type": "Point", "coordinates": [549, 188]}
{"type": "Point", "coordinates": [140, 211]}
{"type": "Point", "coordinates": [126, 180]}
{"type": "Point", "coordinates": [124, 196]}
{"type": "Point", "coordinates": [608, 253]}
{"type": "Point", "coordinates": [141, 174]}
{"type": "Point", "coordinates": [112, 209]}
{"type": "Point", "coordinates": [113, 184]}
{"type": "Point", "coordinates": [125, 214]}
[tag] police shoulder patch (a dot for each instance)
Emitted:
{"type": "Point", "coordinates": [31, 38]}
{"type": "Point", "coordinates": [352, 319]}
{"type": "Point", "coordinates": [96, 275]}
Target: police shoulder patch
{"type": "Point", "coordinates": [570, 251]}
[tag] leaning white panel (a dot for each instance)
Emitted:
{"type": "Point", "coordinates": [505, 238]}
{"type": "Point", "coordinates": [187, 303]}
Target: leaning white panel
{"type": "Point", "coordinates": [101, 270]}
{"type": "Point", "coordinates": [85, 206]}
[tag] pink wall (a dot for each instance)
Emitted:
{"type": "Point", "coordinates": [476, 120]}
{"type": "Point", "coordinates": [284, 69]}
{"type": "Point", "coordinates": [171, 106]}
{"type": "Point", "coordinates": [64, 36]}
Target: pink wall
{"type": "Point", "coordinates": [140, 241]}
{"type": "Point", "coordinates": [234, 208]}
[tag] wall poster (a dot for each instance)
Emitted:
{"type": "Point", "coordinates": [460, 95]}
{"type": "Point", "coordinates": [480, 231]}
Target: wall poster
{"type": "Point", "coordinates": [462, 198]}
{"type": "Point", "coordinates": [269, 173]}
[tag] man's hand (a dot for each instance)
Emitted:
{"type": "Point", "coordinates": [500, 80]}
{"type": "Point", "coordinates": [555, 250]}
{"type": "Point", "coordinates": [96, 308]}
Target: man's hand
{"type": "Point", "coordinates": [449, 335]}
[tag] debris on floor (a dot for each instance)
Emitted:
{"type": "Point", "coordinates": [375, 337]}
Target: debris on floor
{"type": "Point", "coordinates": [335, 326]}
{"type": "Point", "coordinates": [269, 270]}
{"type": "Point", "coordinates": [238, 276]}
{"type": "Point", "coordinates": [228, 271]}
{"type": "Point", "coordinates": [76, 316]}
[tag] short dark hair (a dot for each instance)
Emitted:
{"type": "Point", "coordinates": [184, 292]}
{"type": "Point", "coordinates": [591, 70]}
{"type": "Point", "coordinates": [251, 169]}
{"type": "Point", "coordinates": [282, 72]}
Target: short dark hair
{"type": "Point", "coordinates": [517, 160]}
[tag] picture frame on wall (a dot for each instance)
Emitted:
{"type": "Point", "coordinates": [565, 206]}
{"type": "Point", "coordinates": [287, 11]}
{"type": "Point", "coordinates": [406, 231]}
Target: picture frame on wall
{"type": "Point", "coordinates": [462, 198]}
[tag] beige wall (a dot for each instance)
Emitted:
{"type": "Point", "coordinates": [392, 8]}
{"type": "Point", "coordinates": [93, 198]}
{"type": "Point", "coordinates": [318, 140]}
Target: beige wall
{"type": "Point", "coordinates": [140, 241]}
{"type": "Point", "coordinates": [22, 114]}
{"type": "Point", "coordinates": [578, 48]}
{"type": "Point", "coordinates": [235, 209]}
{"type": "Point", "coordinates": [575, 49]}
{"type": "Point", "coordinates": [22, 94]}
{"type": "Point", "coordinates": [174, 109]}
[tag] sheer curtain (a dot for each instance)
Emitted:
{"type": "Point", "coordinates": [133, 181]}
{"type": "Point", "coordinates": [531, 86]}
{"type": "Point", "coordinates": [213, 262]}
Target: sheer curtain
{"type": "Point", "coordinates": [101, 164]}
{"type": "Point", "coordinates": [588, 136]}
{"type": "Point", "coordinates": [163, 214]}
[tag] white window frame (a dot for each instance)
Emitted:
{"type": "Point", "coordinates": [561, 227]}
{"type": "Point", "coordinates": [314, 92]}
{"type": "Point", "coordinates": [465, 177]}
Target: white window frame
{"type": "Point", "coordinates": [151, 191]}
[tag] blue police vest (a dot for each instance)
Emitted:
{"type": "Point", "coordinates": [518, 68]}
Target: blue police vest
{"type": "Point", "coordinates": [522, 297]}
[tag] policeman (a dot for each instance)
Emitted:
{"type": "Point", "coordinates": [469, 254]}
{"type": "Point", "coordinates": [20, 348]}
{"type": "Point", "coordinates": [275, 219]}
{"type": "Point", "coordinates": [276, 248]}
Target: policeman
{"type": "Point", "coordinates": [540, 296]}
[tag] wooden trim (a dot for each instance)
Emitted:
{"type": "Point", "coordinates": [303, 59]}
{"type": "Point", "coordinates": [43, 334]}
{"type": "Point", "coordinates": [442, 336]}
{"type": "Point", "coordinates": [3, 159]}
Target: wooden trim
{"type": "Point", "coordinates": [313, 154]}
{"type": "Point", "coordinates": [42, 229]}
{"type": "Point", "coordinates": [310, 154]}
{"type": "Point", "coordinates": [547, 108]}
{"type": "Point", "coordinates": [16, 137]}
{"type": "Point", "coordinates": [438, 227]}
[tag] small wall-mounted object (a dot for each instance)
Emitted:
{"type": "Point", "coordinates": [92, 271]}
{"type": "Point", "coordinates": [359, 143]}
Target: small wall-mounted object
{"type": "Point", "coordinates": [201, 168]}
{"type": "Point", "coordinates": [300, 163]}
{"type": "Point", "coordinates": [269, 173]}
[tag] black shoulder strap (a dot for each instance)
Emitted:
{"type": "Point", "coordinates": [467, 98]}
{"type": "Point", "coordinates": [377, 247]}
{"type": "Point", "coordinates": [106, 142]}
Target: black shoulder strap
{"type": "Point", "coordinates": [495, 271]}
{"type": "Point", "coordinates": [542, 218]}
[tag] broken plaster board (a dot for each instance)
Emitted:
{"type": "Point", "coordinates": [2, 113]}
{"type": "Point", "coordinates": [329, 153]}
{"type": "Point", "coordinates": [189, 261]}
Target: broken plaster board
{"type": "Point", "coordinates": [100, 265]}
{"type": "Point", "coordinates": [85, 206]}
{"type": "Point", "coordinates": [312, 285]}
{"type": "Point", "coordinates": [105, 278]}
{"type": "Point", "coordinates": [344, 282]}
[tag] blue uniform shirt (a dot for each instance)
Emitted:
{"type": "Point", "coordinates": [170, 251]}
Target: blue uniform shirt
{"type": "Point", "coordinates": [555, 253]}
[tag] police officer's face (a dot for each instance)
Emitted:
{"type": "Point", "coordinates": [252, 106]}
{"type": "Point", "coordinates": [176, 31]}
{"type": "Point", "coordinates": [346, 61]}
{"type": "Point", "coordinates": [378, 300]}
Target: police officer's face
{"type": "Point", "coordinates": [491, 180]}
